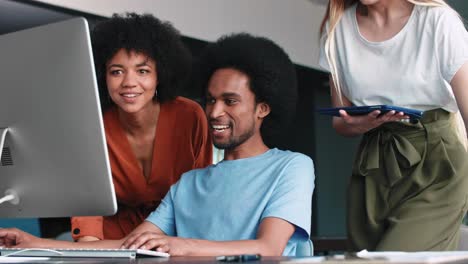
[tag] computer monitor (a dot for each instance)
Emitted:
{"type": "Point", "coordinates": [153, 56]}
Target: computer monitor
{"type": "Point", "coordinates": [54, 156]}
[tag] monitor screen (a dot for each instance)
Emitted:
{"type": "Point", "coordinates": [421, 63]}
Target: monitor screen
{"type": "Point", "coordinates": [54, 158]}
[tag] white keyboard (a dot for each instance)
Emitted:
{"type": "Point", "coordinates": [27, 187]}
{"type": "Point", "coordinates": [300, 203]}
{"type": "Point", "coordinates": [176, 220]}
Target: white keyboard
{"type": "Point", "coordinates": [79, 253]}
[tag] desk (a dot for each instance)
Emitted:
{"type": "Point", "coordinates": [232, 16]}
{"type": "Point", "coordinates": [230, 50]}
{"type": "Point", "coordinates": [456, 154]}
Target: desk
{"type": "Point", "coordinates": [211, 260]}
{"type": "Point", "coordinates": [171, 260]}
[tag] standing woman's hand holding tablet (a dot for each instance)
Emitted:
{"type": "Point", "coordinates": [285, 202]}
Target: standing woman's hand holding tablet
{"type": "Point", "coordinates": [360, 124]}
{"type": "Point", "coordinates": [351, 126]}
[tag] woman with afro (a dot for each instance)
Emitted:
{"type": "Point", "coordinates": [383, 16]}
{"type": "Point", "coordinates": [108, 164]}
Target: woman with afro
{"type": "Point", "coordinates": [153, 136]}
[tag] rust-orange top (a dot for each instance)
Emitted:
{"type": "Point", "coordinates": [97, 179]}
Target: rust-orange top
{"type": "Point", "coordinates": [182, 143]}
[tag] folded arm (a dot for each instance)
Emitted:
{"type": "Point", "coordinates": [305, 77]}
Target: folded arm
{"type": "Point", "coordinates": [272, 237]}
{"type": "Point", "coordinates": [87, 228]}
{"type": "Point", "coordinates": [15, 238]}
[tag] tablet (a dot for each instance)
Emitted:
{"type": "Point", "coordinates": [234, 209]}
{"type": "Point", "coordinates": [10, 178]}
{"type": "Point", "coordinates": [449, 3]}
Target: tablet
{"type": "Point", "coordinates": [414, 114]}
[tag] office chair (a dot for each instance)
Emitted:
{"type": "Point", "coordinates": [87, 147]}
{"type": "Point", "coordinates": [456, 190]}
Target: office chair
{"type": "Point", "coordinates": [305, 249]}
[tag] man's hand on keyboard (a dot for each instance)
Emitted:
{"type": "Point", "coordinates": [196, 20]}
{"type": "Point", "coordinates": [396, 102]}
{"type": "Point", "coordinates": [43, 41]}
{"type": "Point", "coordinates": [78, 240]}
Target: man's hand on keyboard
{"type": "Point", "coordinates": [175, 246]}
{"type": "Point", "coordinates": [12, 237]}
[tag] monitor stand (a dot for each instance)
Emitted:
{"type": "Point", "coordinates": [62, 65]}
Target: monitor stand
{"type": "Point", "coordinates": [10, 195]}
{"type": "Point", "coordinates": [3, 132]}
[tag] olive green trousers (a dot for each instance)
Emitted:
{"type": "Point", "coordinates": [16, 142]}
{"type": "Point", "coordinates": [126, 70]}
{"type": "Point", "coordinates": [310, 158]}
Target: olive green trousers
{"type": "Point", "coordinates": [408, 190]}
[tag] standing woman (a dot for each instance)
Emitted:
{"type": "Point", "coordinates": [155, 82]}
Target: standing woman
{"type": "Point", "coordinates": [152, 135]}
{"type": "Point", "coordinates": [409, 184]}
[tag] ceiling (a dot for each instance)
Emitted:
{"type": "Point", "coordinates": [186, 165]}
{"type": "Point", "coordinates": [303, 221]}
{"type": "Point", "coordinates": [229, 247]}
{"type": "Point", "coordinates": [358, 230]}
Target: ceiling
{"type": "Point", "coordinates": [20, 14]}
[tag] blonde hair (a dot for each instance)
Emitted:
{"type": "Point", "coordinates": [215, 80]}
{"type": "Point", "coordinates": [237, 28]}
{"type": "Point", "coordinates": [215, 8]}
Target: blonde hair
{"type": "Point", "coordinates": [335, 11]}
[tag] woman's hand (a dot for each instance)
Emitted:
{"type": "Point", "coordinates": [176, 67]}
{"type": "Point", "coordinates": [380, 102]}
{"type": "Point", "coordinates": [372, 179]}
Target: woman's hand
{"type": "Point", "coordinates": [12, 237]}
{"type": "Point", "coordinates": [150, 240]}
{"type": "Point", "coordinates": [87, 239]}
{"type": "Point", "coordinates": [356, 125]}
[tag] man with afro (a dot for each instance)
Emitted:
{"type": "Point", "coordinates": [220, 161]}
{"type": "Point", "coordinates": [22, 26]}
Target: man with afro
{"type": "Point", "coordinates": [258, 199]}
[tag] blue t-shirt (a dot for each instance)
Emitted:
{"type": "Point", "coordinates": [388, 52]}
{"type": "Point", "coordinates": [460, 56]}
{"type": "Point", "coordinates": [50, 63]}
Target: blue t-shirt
{"type": "Point", "coordinates": [227, 201]}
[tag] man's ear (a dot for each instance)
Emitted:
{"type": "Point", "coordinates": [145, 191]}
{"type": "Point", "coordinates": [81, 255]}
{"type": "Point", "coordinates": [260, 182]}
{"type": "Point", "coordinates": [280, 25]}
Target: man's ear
{"type": "Point", "coordinates": [263, 110]}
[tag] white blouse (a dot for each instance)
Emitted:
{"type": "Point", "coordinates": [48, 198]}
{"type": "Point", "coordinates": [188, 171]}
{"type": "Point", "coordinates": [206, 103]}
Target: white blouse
{"type": "Point", "coordinates": [412, 69]}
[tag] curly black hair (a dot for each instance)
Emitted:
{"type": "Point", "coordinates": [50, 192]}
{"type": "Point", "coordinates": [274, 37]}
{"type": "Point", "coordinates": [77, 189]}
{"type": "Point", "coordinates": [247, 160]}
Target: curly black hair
{"type": "Point", "coordinates": [272, 76]}
{"type": "Point", "coordinates": [148, 35]}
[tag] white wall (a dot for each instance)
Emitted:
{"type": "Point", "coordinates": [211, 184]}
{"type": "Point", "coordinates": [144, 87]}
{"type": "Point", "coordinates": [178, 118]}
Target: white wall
{"type": "Point", "coordinates": [293, 24]}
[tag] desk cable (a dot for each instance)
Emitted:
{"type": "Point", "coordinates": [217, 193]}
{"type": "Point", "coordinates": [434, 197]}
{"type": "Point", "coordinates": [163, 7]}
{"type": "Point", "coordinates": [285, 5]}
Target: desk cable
{"type": "Point", "coordinates": [10, 196]}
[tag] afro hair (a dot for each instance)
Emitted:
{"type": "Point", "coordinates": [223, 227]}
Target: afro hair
{"type": "Point", "coordinates": [150, 36]}
{"type": "Point", "coordinates": [272, 76]}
